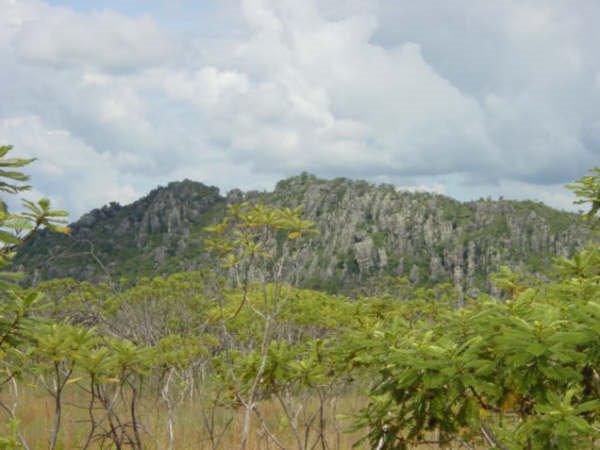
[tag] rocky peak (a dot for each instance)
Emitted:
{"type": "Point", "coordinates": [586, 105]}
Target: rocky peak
{"type": "Point", "coordinates": [365, 231]}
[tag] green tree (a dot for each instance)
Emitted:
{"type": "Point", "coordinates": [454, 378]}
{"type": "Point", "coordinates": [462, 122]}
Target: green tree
{"type": "Point", "coordinates": [520, 373]}
{"type": "Point", "coordinates": [252, 243]}
{"type": "Point", "coordinates": [15, 229]}
{"type": "Point", "coordinates": [587, 189]}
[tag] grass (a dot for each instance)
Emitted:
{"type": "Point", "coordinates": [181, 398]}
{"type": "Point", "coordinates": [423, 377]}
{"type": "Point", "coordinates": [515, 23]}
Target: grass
{"type": "Point", "coordinates": [192, 421]}
{"type": "Point", "coordinates": [35, 415]}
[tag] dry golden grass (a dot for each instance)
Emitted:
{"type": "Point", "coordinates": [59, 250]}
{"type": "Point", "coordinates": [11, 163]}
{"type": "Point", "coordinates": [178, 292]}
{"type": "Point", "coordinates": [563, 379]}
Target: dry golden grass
{"type": "Point", "coordinates": [35, 415]}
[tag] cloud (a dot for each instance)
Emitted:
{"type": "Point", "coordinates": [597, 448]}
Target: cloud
{"type": "Point", "coordinates": [74, 175]}
{"type": "Point", "coordinates": [530, 66]}
{"type": "Point", "coordinates": [437, 188]}
{"type": "Point", "coordinates": [473, 99]}
{"type": "Point", "coordinates": [101, 39]}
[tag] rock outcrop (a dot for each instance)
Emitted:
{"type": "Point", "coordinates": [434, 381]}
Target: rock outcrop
{"type": "Point", "coordinates": [364, 231]}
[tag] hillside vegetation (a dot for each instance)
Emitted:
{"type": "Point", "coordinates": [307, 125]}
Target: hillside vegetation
{"type": "Point", "coordinates": [365, 233]}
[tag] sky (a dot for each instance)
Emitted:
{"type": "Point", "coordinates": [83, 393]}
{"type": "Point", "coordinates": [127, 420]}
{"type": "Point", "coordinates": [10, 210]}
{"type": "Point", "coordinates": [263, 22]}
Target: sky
{"type": "Point", "coordinates": [468, 98]}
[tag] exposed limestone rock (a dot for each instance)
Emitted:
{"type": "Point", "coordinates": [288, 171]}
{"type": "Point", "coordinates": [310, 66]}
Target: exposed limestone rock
{"type": "Point", "coordinates": [364, 255]}
{"type": "Point", "coordinates": [364, 231]}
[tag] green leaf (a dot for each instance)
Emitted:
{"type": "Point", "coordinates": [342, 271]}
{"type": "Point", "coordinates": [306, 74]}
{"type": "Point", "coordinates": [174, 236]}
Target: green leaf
{"type": "Point", "coordinates": [593, 405]}
{"type": "Point", "coordinates": [536, 349]}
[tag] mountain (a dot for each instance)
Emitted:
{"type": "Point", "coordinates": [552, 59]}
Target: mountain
{"type": "Point", "coordinates": [365, 231]}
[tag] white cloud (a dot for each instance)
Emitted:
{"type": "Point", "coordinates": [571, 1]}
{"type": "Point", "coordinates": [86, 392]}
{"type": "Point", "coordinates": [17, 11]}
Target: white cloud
{"type": "Point", "coordinates": [105, 39]}
{"type": "Point", "coordinates": [74, 174]}
{"type": "Point", "coordinates": [205, 87]}
{"type": "Point", "coordinates": [496, 96]}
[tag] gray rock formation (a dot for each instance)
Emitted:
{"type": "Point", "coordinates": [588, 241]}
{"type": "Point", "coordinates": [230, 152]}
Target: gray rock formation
{"type": "Point", "coordinates": [364, 231]}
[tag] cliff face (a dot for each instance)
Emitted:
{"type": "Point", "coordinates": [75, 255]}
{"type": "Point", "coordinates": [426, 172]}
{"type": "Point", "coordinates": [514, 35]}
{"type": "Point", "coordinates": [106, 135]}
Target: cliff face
{"type": "Point", "coordinates": [365, 231]}
{"type": "Point", "coordinates": [159, 233]}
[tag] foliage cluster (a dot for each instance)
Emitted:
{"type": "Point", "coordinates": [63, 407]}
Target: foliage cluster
{"type": "Point", "coordinates": [518, 372]}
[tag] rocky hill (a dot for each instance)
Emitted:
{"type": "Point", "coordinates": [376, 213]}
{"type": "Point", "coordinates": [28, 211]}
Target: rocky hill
{"type": "Point", "coordinates": [365, 231]}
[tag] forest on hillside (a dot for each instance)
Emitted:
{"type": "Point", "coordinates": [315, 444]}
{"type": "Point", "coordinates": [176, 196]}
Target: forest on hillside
{"type": "Point", "coordinates": [237, 355]}
{"type": "Point", "coordinates": [365, 232]}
